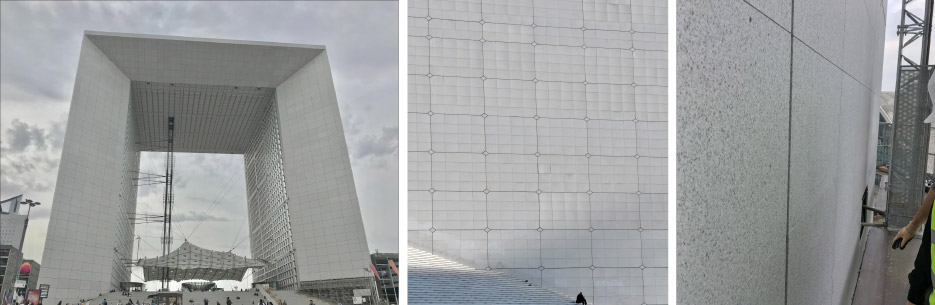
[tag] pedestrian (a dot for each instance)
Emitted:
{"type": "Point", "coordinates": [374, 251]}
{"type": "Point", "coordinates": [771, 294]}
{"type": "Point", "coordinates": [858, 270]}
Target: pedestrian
{"type": "Point", "coordinates": [104, 302]}
{"type": "Point", "coordinates": [919, 279]}
{"type": "Point", "coordinates": [580, 299]}
{"type": "Point", "coordinates": [229, 301]}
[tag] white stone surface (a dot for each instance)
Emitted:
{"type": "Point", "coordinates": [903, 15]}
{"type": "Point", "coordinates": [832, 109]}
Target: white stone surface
{"type": "Point", "coordinates": [538, 142]}
{"type": "Point", "coordinates": [204, 61]}
{"type": "Point", "coordinates": [88, 231]}
{"type": "Point", "coordinates": [274, 103]}
{"type": "Point", "coordinates": [323, 210]}
{"type": "Point", "coordinates": [776, 130]}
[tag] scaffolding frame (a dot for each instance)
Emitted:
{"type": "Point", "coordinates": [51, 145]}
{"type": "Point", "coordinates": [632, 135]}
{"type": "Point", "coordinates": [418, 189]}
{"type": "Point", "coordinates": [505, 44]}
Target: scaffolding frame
{"type": "Point", "coordinates": [912, 105]}
{"type": "Point", "coordinates": [168, 199]}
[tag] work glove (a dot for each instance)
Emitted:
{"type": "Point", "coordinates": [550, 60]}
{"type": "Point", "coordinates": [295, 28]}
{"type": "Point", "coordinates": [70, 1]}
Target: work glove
{"type": "Point", "coordinates": [904, 236]}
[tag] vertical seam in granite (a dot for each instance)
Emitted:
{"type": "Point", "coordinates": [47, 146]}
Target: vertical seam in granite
{"type": "Point", "coordinates": [837, 146]}
{"type": "Point", "coordinates": [785, 296]}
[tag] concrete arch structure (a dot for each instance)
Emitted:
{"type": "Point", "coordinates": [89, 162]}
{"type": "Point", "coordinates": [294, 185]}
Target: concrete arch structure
{"type": "Point", "coordinates": [274, 103]}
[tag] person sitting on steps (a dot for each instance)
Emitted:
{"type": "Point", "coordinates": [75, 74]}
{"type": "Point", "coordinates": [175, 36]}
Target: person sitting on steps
{"type": "Point", "coordinates": [580, 299]}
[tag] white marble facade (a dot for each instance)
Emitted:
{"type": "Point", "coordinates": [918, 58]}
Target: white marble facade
{"type": "Point", "coordinates": [272, 102]}
{"type": "Point", "coordinates": [537, 141]}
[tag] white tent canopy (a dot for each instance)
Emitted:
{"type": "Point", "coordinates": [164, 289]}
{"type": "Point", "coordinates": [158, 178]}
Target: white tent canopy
{"type": "Point", "coordinates": [190, 262]}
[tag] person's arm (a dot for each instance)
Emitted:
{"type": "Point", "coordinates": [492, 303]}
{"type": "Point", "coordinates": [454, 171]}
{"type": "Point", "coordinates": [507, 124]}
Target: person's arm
{"type": "Point", "coordinates": [909, 231]}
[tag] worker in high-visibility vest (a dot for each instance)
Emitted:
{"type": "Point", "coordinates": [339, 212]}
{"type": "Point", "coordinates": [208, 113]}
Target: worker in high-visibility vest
{"type": "Point", "coordinates": [922, 277]}
{"type": "Point", "coordinates": [923, 274]}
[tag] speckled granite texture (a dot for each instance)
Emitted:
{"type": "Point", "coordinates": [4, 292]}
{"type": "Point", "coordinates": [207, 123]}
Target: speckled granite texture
{"type": "Point", "coordinates": [774, 130]}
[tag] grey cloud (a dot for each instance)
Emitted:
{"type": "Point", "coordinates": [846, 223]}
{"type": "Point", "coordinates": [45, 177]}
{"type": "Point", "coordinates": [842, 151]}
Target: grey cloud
{"type": "Point", "coordinates": [56, 135]}
{"type": "Point", "coordinates": [147, 188]}
{"type": "Point", "coordinates": [12, 185]}
{"type": "Point", "coordinates": [386, 144]}
{"type": "Point", "coordinates": [27, 165]}
{"type": "Point", "coordinates": [192, 216]}
{"type": "Point", "coordinates": [9, 188]}
{"type": "Point", "coordinates": [23, 135]}
{"type": "Point", "coordinates": [17, 167]}
{"type": "Point", "coordinates": [180, 182]}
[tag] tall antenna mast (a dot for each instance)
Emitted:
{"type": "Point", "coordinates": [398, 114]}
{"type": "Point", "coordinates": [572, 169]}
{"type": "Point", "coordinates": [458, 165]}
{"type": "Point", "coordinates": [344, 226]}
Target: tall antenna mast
{"type": "Point", "coordinates": [167, 204]}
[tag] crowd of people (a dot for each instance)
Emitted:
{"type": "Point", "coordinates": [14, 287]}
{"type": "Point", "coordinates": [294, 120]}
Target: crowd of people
{"type": "Point", "coordinates": [261, 300]}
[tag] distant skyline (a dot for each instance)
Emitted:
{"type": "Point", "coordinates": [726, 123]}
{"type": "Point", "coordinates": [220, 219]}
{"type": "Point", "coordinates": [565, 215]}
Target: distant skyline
{"type": "Point", "coordinates": [40, 43]}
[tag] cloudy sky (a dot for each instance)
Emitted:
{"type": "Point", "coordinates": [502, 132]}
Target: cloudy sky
{"type": "Point", "coordinates": [40, 43]}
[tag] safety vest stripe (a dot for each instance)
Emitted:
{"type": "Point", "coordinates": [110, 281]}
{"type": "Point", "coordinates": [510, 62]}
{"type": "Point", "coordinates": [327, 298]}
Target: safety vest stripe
{"type": "Point", "coordinates": [931, 296]}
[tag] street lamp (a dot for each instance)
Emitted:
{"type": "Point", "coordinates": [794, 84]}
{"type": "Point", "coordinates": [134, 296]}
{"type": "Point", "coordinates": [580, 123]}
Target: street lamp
{"type": "Point", "coordinates": [26, 223]}
{"type": "Point", "coordinates": [31, 204]}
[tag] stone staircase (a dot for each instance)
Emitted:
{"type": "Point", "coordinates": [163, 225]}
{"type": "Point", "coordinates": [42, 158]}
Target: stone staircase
{"type": "Point", "coordinates": [436, 280]}
{"type": "Point", "coordinates": [294, 298]}
{"type": "Point", "coordinates": [197, 298]}
{"type": "Point", "coordinates": [114, 298]}
{"type": "Point", "coordinates": [246, 297]}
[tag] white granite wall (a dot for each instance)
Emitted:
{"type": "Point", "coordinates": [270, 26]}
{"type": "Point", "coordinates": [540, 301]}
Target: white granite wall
{"type": "Point", "coordinates": [324, 214]}
{"type": "Point", "coordinates": [776, 125]}
{"type": "Point", "coordinates": [89, 233]}
{"type": "Point", "coordinates": [538, 142]}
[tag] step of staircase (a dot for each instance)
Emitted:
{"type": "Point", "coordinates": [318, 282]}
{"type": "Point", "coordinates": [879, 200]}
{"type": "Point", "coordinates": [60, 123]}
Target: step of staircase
{"type": "Point", "coordinates": [436, 280]}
